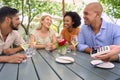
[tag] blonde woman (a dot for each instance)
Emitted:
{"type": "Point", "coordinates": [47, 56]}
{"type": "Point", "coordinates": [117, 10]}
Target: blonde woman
{"type": "Point", "coordinates": [43, 36]}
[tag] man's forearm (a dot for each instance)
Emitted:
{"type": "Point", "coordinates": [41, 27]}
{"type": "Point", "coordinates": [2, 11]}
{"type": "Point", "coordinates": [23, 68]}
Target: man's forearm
{"type": "Point", "coordinates": [3, 58]}
{"type": "Point", "coordinates": [12, 50]}
{"type": "Point", "coordinates": [19, 48]}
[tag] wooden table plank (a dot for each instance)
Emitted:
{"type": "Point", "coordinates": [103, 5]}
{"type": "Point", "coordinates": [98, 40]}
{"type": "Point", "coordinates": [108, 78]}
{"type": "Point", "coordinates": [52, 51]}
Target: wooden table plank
{"type": "Point", "coordinates": [84, 73]}
{"type": "Point", "coordinates": [9, 72]}
{"type": "Point", "coordinates": [63, 72]}
{"type": "Point", "coordinates": [104, 73]}
{"type": "Point", "coordinates": [43, 69]}
{"type": "Point", "coordinates": [43, 66]}
{"type": "Point", "coordinates": [117, 64]}
{"type": "Point", "coordinates": [80, 70]}
{"type": "Point", "coordinates": [1, 66]}
{"type": "Point", "coordinates": [27, 71]}
{"type": "Point", "coordinates": [115, 70]}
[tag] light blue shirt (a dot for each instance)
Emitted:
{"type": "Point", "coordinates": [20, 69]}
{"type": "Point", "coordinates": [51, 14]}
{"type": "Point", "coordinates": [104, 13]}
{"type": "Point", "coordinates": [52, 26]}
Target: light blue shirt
{"type": "Point", "coordinates": [109, 34]}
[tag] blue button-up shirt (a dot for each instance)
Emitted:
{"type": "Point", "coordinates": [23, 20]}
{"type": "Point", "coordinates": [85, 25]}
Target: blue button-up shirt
{"type": "Point", "coordinates": [109, 34]}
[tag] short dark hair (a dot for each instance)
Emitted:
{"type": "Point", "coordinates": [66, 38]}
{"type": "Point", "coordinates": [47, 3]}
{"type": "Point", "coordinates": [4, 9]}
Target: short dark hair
{"type": "Point", "coordinates": [75, 18]}
{"type": "Point", "coordinates": [7, 11]}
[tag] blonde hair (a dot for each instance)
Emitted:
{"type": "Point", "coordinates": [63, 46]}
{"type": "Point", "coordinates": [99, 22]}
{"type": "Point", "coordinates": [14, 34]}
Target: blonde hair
{"type": "Point", "coordinates": [41, 19]}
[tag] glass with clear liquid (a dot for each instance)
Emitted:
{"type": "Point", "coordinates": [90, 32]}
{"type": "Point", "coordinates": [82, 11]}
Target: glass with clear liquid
{"type": "Point", "coordinates": [74, 42]}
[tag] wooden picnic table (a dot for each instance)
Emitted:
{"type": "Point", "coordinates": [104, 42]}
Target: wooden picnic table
{"type": "Point", "coordinates": [42, 66]}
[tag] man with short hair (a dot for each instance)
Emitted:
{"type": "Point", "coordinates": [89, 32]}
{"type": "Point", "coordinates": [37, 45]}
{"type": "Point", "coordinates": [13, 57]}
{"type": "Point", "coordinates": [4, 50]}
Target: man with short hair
{"type": "Point", "coordinates": [96, 31]}
{"type": "Point", "coordinates": [9, 21]}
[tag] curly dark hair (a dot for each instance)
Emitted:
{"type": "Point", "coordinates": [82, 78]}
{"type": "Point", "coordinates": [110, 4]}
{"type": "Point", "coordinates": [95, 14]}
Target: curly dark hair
{"type": "Point", "coordinates": [75, 18]}
{"type": "Point", "coordinates": [7, 11]}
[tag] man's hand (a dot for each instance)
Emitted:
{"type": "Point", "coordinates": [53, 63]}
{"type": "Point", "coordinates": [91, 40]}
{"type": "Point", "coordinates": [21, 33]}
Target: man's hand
{"type": "Point", "coordinates": [104, 57]}
{"type": "Point", "coordinates": [9, 51]}
{"type": "Point", "coordinates": [16, 58]}
{"type": "Point", "coordinates": [111, 56]}
{"type": "Point", "coordinates": [87, 50]}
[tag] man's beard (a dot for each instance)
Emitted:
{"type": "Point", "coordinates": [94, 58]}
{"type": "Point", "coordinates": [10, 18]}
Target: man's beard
{"type": "Point", "coordinates": [13, 27]}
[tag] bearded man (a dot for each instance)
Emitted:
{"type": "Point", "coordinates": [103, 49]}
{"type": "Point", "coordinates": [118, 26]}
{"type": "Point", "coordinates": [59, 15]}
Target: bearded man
{"type": "Point", "coordinates": [9, 21]}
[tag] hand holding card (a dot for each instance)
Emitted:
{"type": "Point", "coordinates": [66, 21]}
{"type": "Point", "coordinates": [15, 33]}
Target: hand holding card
{"type": "Point", "coordinates": [99, 51]}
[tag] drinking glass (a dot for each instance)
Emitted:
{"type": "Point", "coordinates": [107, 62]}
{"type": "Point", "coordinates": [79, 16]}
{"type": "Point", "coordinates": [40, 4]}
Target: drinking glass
{"type": "Point", "coordinates": [32, 47]}
{"type": "Point", "coordinates": [28, 50]}
{"type": "Point", "coordinates": [48, 47]}
{"type": "Point", "coordinates": [74, 42]}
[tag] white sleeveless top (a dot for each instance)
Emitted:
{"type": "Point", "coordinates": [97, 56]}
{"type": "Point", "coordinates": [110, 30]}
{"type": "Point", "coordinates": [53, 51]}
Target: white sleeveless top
{"type": "Point", "coordinates": [40, 40]}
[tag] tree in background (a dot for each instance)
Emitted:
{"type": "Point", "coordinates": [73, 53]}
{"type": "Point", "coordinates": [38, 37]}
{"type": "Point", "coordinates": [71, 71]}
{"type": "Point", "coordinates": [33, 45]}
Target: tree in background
{"type": "Point", "coordinates": [112, 7]}
{"type": "Point", "coordinates": [31, 8]}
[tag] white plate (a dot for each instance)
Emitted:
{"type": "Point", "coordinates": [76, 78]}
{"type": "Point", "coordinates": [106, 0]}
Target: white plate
{"type": "Point", "coordinates": [65, 59]}
{"type": "Point", "coordinates": [101, 64]}
{"type": "Point", "coordinates": [29, 56]}
{"type": "Point", "coordinates": [24, 61]}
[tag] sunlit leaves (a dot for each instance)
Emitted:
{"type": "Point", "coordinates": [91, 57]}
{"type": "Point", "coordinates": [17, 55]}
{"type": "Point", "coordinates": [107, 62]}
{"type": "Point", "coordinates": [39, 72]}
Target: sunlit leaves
{"type": "Point", "coordinates": [112, 7]}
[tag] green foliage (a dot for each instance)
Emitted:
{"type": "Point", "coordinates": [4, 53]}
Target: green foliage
{"type": "Point", "coordinates": [31, 8]}
{"type": "Point", "coordinates": [112, 7]}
